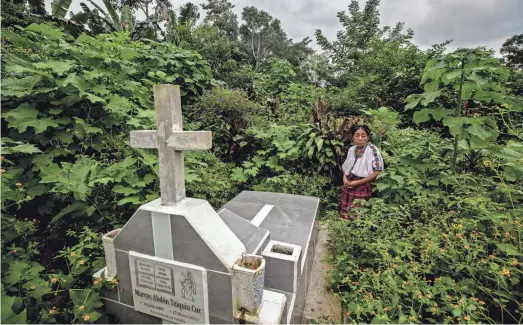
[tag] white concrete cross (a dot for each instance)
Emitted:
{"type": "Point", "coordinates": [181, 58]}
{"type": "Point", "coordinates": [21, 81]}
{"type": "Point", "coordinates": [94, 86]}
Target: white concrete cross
{"type": "Point", "coordinates": [171, 141]}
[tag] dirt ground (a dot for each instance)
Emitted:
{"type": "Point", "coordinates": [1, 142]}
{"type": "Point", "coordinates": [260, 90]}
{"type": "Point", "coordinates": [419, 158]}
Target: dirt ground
{"type": "Point", "coordinates": [320, 304]}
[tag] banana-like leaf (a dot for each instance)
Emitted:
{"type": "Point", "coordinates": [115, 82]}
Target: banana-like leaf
{"type": "Point", "coordinates": [126, 18]}
{"type": "Point", "coordinates": [85, 8]}
{"type": "Point", "coordinates": [113, 15]}
{"type": "Point", "coordinates": [60, 7]}
{"type": "Point", "coordinates": [98, 7]}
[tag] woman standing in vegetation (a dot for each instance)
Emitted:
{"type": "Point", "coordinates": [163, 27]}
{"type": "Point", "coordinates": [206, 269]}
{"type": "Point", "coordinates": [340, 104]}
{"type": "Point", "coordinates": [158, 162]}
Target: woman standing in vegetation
{"type": "Point", "coordinates": [362, 165]}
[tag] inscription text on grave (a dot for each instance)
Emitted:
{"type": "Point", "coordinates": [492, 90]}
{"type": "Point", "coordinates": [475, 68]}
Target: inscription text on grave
{"type": "Point", "coordinates": [169, 290]}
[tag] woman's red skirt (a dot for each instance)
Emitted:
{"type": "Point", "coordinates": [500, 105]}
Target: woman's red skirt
{"type": "Point", "coordinates": [348, 195]}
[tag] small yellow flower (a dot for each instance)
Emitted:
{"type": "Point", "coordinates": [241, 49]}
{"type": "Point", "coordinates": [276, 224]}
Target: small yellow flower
{"type": "Point", "coordinates": [460, 236]}
{"type": "Point", "coordinates": [73, 254]}
{"type": "Point", "coordinates": [51, 311]}
{"type": "Point", "coordinates": [514, 263]}
{"type": "Point", "coordinates": [420, 295]}
{"type": "Point", "coordinates": [96, 282]}
{"type": "Point", "coordinates": [506, 272]}
{"type": "Point", "coordinates": [441, 250]}
{"type": "Point", "coordinates": [114, 281]}
{"type": "Point", "coordinates": [53, 280]}
{"type": "Point", "coordinates": [467, 318]}
{"type": "Point", "coordinates": [33, 287]}
{"type": "Point", "coordinates": [433, 309]}
{"type": "Point", "coordinates": [481, 302]}
{"type": "Point", "coordinates": [81, 307]}
{"type": "Point", "coordinates": [54, 307]}
{"type": "Point", "coordinates": [81, 262]}
{"type": "Point", "coordinates": [18, 184]}
{"type": "Point", "coordinates": [21, 189]}
{"type": "Point", "coordinates": [487, 163]}
{"type": "Point", "coordinates": [467, 247]}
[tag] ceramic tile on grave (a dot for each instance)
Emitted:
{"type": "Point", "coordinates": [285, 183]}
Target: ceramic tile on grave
{"type": "Point", "coordinates": [170, 290]}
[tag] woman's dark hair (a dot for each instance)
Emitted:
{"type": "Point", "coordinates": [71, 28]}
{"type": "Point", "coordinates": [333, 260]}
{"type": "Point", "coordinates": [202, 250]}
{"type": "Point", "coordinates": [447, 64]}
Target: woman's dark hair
{"type": "Point", "coordinates": [355, 128]}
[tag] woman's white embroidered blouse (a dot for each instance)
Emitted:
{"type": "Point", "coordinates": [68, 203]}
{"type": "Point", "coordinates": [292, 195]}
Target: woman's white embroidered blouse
{"type": "Point", "coordinates": [370, 161]}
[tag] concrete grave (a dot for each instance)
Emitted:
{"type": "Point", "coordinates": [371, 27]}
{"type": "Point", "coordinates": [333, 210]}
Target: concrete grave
{"type": "Point", "coordinates": [177, 260]}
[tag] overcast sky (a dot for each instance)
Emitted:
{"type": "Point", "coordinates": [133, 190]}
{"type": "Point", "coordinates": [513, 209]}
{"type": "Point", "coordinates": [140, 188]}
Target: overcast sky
{"type": "Point", "coordinates": [469, 22]}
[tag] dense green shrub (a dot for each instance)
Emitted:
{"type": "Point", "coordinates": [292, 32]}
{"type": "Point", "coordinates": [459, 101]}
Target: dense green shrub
{"type": "Point", "coordinates": [432, 246]}
{"type": "Point", "coordinates": [228, 114]}
{"type": "Point", "coordinates": [68, 106]}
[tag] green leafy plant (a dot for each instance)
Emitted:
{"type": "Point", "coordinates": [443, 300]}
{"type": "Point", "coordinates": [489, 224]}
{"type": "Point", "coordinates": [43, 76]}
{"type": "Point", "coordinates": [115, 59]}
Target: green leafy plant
{"type": "Point", "coordinates": [473, 77]}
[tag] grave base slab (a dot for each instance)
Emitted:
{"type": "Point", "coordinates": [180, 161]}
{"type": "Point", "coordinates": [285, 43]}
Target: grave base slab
{"type": "Point", "coordinates": [271, 311]}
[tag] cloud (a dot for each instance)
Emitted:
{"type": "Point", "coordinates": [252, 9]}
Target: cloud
{"type": "Point", "coordinates": [470, 23]}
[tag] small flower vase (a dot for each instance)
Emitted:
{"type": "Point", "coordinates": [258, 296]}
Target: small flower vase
{"type": "Point", "coordinates": [110, 254]}
{"type": "Point", "coordinates": [248, 278]}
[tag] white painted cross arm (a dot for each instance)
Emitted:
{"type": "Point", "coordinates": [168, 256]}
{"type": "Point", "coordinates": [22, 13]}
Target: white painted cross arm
{"type": "Point", "coordinates": [178, 140]}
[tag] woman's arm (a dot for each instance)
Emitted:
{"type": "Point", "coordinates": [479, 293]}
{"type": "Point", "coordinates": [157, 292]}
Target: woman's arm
{"type": "Point", "coordinates": [367, 179]}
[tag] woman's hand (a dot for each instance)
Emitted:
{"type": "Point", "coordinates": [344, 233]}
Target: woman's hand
{"type": "Point", "coordinates": [345, 179]}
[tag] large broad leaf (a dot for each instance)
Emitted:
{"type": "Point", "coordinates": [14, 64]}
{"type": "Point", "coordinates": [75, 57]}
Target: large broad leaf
{"type": "Point", "coordinates": [21, 148]}
{"type": "Point", "coordinates": [430, 96]}
{"type": "Point", "coordinates": [450, 76]}
{"type": "Point", "coordinates": [455, 125]}
{"type": "Point", "coordinates": [488, 96]}
{"type": "Point", "coordinates": [480, 131]}
{"type": "Point", "coordinates": [509, 250]}
{"type": "Point", "coordinates": [19, 40]}
{"type": "Point", "coordinates": [424, 114]}
{"type": "Point", "coordinates": [467, 89]}
{"type": "Point", "coordinates": [114, 16]}
{"type": "Point", "coordinates": [57, 66]}
{"type": "Point", "coordinates": [478, 79]}
{"type": "Point", "coordinates": [60, 7]}
{"type": "Point", "coordinates": [25, 116]}
{"type": "Point", "coordinates": [75, 209]}
{"type": "Point", "coordinates": [47, 30]}
{"type": "Point", "coordinates": [126, 18]}
{"type": "Point", "coordinates": [8, 315]}
{"type": "Point", "coordinates": [412, 101]}
{"type": "Point", "coordinates": [19, 87]}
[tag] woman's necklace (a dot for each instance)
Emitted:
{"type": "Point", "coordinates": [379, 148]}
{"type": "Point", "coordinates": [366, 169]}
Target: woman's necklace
{"type": "Point", "coordinates": [359, 151]}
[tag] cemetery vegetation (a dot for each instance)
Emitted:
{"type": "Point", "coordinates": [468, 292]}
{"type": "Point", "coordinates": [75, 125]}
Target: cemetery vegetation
{"type": "Point", "coordinates": [439, 242]}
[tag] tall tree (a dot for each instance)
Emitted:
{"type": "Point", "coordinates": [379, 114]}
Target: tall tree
{"type": "Point", "coordinates": [261, 34]}
{"type": "Point", "coordinates": [359, 28]}
{"type": "Point", "coordinates": [220, 15]}
{"type": "Point", "coordinates": [154, 10]}
{"type": "Point", "coordinates": [512, 50]}
{"type": "Point", "coordinates": [180, 28]}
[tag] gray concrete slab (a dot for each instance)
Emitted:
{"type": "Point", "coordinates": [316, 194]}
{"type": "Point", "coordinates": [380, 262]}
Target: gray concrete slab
{"type": "Point", "coordinates": [188, 246]}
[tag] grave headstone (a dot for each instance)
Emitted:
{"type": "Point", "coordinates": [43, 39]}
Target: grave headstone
{"type": "Point", "coordinates": [175, 259]}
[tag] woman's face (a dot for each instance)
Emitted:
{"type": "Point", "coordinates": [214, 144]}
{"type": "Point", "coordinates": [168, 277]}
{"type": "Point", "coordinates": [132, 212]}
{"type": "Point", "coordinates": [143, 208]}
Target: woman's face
{"type": "Point", "coordinates": [360, 138]}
